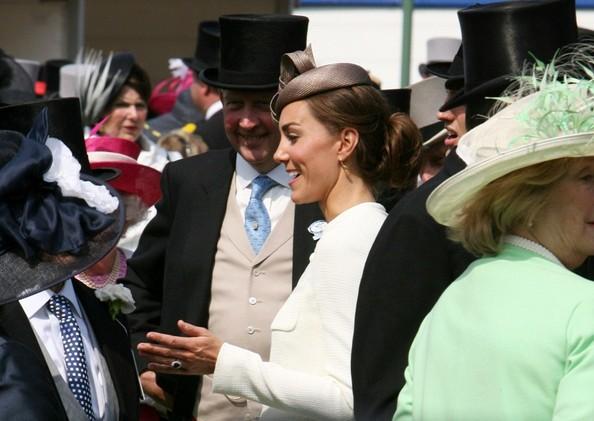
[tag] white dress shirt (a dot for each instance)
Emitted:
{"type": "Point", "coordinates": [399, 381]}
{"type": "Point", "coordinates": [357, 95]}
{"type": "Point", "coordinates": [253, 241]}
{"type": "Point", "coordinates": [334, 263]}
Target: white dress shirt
{"type": "Point", "coordinates": [47, 328]}
{"type": "Point", "coordinates": [214, 107]}
{"type": "Point", "coordinates": [275, 200]}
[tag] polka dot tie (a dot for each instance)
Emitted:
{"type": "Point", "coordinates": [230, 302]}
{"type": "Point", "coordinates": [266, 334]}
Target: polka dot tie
{"type": "Point", "coordinates": [74, 353]}
{"type": "Point", "coordinates": [257, 220]}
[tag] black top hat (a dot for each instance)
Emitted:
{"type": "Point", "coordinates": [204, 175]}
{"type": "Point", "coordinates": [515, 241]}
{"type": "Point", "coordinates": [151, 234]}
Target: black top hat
{"type": "Point", "coordinates": [16, 85]}
{"type": "Point", "coordinates": [206, 53]}
{"type": "Point", "coordinates": [50, 73]}
{"type": "Point", "coordinates": [64, 123]}
{"type": "Point", "coordinates": [251, 50]}
{"type": "Point", "coordinates": [398, 100]}
{"type": "Point", "coordinates": [498, 38]}
{"type": "Point", "coordinates": [48, 234]}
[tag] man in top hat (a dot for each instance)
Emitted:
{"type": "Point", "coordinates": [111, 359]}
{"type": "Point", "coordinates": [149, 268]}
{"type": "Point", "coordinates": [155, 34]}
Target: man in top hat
{"type": "Point", "coordinates": [83, 345]}
{"type": "Point", "coordinates": [204, 98]}
{"type": "Point", "coordinates": [227, 245]}
{"type": "Point", "coordinates": [412, 261]}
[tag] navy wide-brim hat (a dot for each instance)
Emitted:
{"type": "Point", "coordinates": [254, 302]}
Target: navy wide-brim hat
{"type": "Point", "coordinates": [46, 236]}
{"type": "Point", "coordinates": [251, 50]}
{"type": "Point", "coordinates": [499, 38]}
{"type": "Point", "coordinates": [208, 41]}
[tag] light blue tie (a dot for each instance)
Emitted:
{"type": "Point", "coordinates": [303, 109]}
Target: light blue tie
{"type": "Point", "coordinates": [74, 353]}
{"type": "Point", "coordinates": [257, 220]}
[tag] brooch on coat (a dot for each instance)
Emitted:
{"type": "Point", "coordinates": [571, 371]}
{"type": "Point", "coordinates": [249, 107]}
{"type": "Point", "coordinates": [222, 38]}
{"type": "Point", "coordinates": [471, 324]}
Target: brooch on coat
{"type": "Point", "coordinates": [316, 229]}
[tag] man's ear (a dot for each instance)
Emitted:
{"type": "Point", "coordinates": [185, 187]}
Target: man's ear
{"type": "Point", "coordinates": [349, 139]}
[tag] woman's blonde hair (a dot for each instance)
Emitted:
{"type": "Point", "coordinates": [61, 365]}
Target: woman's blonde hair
{"type": "Point", "coordinates": [506, 204]}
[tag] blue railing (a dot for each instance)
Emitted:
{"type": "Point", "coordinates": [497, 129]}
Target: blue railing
{"type": "Point", "coordinates": [580, 4]}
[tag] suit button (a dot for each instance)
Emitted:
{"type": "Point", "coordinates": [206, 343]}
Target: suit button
{"type": "Point", "coordinates": [252, 300]}
{"type": "Point", "coordinates": [250, 330]}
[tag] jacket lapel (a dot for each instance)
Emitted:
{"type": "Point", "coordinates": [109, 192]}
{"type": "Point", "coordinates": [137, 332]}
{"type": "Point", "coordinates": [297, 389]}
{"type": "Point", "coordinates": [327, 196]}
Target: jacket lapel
{"type": "Point", "coordinates": [114, 343]}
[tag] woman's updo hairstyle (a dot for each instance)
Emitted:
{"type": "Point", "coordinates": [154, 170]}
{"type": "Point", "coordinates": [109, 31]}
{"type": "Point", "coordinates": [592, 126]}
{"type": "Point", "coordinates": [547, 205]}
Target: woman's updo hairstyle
{"type": "Point", "coordinates": [342, 95]}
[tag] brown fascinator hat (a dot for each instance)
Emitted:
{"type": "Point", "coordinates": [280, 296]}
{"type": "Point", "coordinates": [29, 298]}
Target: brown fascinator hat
{"type": "Point", "coordinates": [300, 79]}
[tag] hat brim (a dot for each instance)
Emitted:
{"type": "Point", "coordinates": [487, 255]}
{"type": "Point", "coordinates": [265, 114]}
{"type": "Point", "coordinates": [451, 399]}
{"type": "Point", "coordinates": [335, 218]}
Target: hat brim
{"type": "Point", "coordinates": [20, 278]}
{"type": "Point", "coordinates": [133, 178]}
{"type": "Point", "coordinates": [492, 87]}
{"type": "Point", "coordinates": [450, 197]}
{"type": "Point", "coordinates": [210, 76]}
{"type": "Point", "coordinates": [439, 69]}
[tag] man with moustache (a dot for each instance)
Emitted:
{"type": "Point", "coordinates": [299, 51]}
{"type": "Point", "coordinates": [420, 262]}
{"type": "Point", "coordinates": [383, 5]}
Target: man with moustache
{"type": "Point", "coordinates": [227, 245]}
{"type": "Point", "coordinates": [412, 260]}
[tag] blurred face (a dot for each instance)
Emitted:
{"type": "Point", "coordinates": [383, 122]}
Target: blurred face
{"type": "Point", "coordinates": [454, 121]}
{"type": "Point", "coordinates": [309, 152]}
{"type": "Point", "coordinates": [250, 128]}
{"type": "Point", "coordinates": [433, 158]}
{"type": "Point", "coordinates": [127, 117]}
{"type": "Point", "coordinates": [566, 224]}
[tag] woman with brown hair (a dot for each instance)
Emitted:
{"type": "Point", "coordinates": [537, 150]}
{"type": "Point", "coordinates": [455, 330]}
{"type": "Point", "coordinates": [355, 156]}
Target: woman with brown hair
{"type": "Point", "coordinates": [338, 143]}
{"type": "Point", "coordinates": [512, 338]}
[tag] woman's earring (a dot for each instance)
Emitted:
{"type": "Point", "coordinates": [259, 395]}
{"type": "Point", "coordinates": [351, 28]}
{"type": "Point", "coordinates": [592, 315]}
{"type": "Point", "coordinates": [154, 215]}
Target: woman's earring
{"type": "Point", "coordinates": [342, 164]}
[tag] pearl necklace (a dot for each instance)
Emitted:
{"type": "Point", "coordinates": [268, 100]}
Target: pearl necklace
{"type": "Point", "coordinates": [118, 270]}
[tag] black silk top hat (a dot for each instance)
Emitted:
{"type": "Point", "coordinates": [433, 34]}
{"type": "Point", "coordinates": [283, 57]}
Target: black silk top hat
{"type": "Point", "coordinates": [56, 221]}
{"type": "Point", "coordinates": [206, 53]}
{"type": "Point", "coordinates": [50, 73]}
{"type": "Point", "coordinates": [64, 123]}
{"type": "Point", "coordinates": [251, 50]}
{"type": "Point", "coordinates": [498, 38]}
{"type": "Point", "coordinates": [398, 100]}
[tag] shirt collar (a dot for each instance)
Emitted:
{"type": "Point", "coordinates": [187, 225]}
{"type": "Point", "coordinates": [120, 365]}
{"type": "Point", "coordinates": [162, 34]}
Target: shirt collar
{"type": "Point", "coordinates": [214, 108]}
{"type": "Point", "coordinates": [531, 246]}
{"type": "Point", "coordinates": [32, 304]}
{"type": "Point", "coordinates": [246, 174]}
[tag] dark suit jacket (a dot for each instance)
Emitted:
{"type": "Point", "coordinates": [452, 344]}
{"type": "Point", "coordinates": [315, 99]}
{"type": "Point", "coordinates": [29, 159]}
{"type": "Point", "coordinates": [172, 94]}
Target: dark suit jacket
{"type": "Point", "coordinates": [171, 270]}
{"type": "Point", "coordinates": [212, 131]}
{"type": "Point", "coordinates": [409, 266]}
{"type": "Point", "coordinates": [111, 337]}
{"type": "Point", "coordinates": [26, 390]}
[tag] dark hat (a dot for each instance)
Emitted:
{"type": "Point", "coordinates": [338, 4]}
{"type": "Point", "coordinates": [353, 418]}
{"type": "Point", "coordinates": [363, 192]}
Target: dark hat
{"type": "Point", "coordinates": [64, 123]}
{"type": "Point", "coordinates": [498, 38]}
{"type": "Point", "coordinates": [122, 66]}
{"type": "Point", "coordinates": [206, 53]}
{"type": "Point", "coordinates": [16, 86]}
{"type": "Point", "coordinates": [50, 74]}
{"type": "Point", "coordinates": [251, 50]}
{"type": "Point", "coordinates": [398, 100]}
{"type": "Point", "coordinates": [454, 74]}
{"type": "Point", "coordinates": [54, 228]}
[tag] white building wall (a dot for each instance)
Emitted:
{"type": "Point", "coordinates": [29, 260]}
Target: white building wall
{"type": "Point", "coordinates": [372, 37]}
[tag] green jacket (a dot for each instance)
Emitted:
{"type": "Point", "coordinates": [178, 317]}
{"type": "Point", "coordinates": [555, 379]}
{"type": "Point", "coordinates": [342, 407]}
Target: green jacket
{"type": "Point", "coordinates": [511, 339]}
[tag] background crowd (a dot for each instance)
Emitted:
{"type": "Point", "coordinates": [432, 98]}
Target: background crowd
{"type": "Point", "coordinates": [262, 237]}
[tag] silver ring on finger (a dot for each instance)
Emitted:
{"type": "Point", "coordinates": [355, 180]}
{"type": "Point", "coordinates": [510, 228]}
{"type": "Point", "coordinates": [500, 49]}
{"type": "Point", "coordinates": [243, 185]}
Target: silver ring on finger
{"type": "Point", "coordinates": [176, 364]}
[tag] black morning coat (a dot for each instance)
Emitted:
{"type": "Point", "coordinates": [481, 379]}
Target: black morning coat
{"type": "Point", "coordinates": [112, 339]}
{"type": "Point", "coordinates": [410, 264]}
{"type": "Point", "coordinates": [170, 272]}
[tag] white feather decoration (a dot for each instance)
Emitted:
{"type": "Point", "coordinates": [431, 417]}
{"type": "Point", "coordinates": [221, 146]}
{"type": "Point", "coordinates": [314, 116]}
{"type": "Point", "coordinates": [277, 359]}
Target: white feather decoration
{"type": "Point", "coordinates": [95, 84]}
